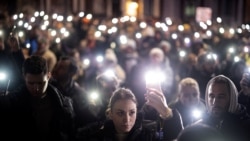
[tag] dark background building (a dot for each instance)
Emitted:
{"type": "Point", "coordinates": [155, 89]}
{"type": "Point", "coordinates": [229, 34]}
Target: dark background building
{"type": "Point", "coordinates": [235, 11]}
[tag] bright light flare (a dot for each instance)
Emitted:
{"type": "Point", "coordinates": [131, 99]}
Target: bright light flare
{"type": "Point", "coordinates": [109, 73]}
{"type": "Point", "coordinates": [182, 53]}
{"type": "Point", "coordinates": [143, 25]}
{"type": "Point", "coordinates": [154, 78]}
{"type": "Point", "coordinates": [94, 96]}
{"type": "Point", "coordinates": [123, 39]}
{"type": "Point", "coordinates": [3, 76]}
{"type": "Point", "coordinates": [99, 58]}
{"type": "Point", "coordinates": [196, 113]}
{"type": "Point", "coordinates": [86, 61]}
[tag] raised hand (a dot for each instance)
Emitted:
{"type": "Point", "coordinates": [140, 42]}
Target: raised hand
{"type": "Point", "coordinates": [157, 100]}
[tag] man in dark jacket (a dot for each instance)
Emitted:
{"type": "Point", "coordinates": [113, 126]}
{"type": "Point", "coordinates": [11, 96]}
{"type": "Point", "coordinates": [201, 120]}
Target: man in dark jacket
{"type": "Point", "coordinates": [224, 111]}
{"type": "Point", "coordinates": [38, 111]}
{"type": "Point", "coordinates": [63, 79]}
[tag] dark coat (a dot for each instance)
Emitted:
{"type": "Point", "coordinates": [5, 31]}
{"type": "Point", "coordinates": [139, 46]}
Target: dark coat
{"type": "Point", "coordinates": [171, 127]}
{"type": "Point", "coordinates": [186, 113]}
{"type": "Point", "coordinates": [234, 127]}
{"type": "Point", "coordinates": [79, 99]}
{"type": "Point", "coordinates": [21, 118]}
{"type": "Point", "coordinates": [106, 131]}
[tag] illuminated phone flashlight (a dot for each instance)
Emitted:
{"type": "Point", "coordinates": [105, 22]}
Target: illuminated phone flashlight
{"type": "Point", "coordinates": [154, 78]}
{"type": "Point", "coordinates": [246, 49]}
{"type": "Point", "coordinates": [58, 40]}
{"type": "Point", "coordinates": [197, 35]}
{"type": "Point", "coordinates": [54, 16]}
{"type": "Point", "coordinates": [143, 25]}
{"type": "Point", "coordinates": [27, 45]}
{"type": "Point", "coordinates": [99, 59]}
{"type": "Point", "coordinates": [45, 17]}
{"type": "Point", "coordinates": [231, 31]}
{"type": "Point", "coordinates": [219, 20]}
{"type": "Point", "coordinates": [114, 29]}
{"type": "Point", "coordinates": [53, 33]}
{"type": "Point", "coordinates": [221, 30]}
{"type": "Point", "coordinates": [59, 18]}
{"type": "Point", "coordinates": [174, 36]}
{"type": "Point", "coordinates": [20, 23]}
{"type": "Point", "coordinates": [69, 18]}
{"type": "Point", "coordinates": [187, 40]}
{"type": "Point", "coordinates": [93, 96]}
{"type": "Point", "coordinates": [42, 13]}
{"type": "Point", "coordinates": [182, 53]}
{"type": "Point", "coordinates": [89, 16]}
{"type": "Point", "coordinates": [197, 114]}
{"type": "Point", "coordinates": [203, 25]}
{"type": "Point", "coordinates": [102, 27]}
{"type": "Point", "coordinates": [239, 30]}
{"type": "Point", "coordinates": [20, 34]}
{"type": "Point", "coordinates": [236, 58]}
{"type": "Point", "coordinates": [157, 24]}
{"type": "Point", "coordinates": [109, 73]}
{"type": "Point", "coordinates": [132, 19]}
{"type": "Point", "coordinates": [1, 33]}
{"type": "Point", "coordinates": [36, 14]}
{"type": "Point", "coordinates": [247, 26]}
{"type": "Point", "coordinates": [138, 35]}
{"type": "Point", "coordinates": [3, 76]}
{"type": "Point", "coordinates": [32, 19]}
{"type": "Point", "coordinates": [211, 56]}
{"type": "Point", "coordinates": [123, 39]}
{"type": "Point", "coordinates": [164, 27]}
{"type": "Point", "coordinates": [86, 62]}
{"type": "Point", "coordinates": [209, 22]}
{"type": "Point", "coordinates": [113, 45]}
{"type": "Point", "coordinates": [209, 33]}
{"type": "Point", "coordinates": [81, 14]}
{"type": "Point", "coordinates": [14, 17]}
{"type": "Point", "coordinates": [168, 21]}
{"type": "Point", "coordinates": [231, 49]}
{"type": "Point", "coordinates": [181, 28]}
{"type": "Point", "coordinates": [114, 20]}
{"type": "Point", "coordinates": [98, 34]}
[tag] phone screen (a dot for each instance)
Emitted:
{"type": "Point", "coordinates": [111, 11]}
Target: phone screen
{"type": "Point", "coordinates": [153, 84]}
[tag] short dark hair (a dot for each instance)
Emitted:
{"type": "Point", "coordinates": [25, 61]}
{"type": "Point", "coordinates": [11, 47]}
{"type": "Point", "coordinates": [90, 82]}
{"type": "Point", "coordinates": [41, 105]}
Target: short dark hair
{"type": "Point", "coordinates": [72, 66]}
{"type": "Point", "coordinates": [35, 65]}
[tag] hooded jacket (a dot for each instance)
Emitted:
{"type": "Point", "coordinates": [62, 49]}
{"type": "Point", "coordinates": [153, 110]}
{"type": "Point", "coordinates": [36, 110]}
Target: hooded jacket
{"type": "Point", "coordinates": [236, 122]}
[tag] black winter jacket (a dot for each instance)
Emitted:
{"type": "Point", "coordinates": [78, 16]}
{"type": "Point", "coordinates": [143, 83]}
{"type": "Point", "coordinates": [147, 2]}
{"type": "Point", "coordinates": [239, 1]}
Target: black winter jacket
{"type": "Point", "coordinates": [20, 120]}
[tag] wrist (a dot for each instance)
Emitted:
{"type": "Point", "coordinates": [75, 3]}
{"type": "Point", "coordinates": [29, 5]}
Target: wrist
{"type": "Point", "coordinates": [167, 113]}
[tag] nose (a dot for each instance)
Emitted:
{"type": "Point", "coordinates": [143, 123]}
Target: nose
{"type": "Point", "coordinates": [126, 118]}
{"type": "Point", "coordinates": [215, 101]}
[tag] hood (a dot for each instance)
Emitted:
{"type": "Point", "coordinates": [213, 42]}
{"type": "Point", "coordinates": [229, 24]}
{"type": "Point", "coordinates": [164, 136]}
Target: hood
{"type": "Point", "coordinates": [233, 107]}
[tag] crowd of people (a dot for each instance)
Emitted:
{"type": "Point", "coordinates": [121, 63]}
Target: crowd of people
{"type": "Point", "coordinates": [123, 79]}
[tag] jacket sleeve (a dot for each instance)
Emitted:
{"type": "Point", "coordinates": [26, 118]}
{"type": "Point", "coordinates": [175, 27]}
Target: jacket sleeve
{"type": "Point", "coordinates": [172, 126]}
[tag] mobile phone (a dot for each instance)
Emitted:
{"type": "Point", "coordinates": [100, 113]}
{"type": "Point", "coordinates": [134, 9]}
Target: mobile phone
{"type": "Point", "coordinates": [153, 84]}
{"type": "Point", "coordinates": [153, 80]}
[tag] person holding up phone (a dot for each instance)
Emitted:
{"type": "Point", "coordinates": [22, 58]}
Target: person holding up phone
{"type": "Point", "coordinates": [156, 108]}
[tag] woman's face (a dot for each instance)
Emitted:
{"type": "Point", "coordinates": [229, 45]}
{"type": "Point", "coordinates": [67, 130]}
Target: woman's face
{"type": "Point", "coordinates": [123, 114]}
{"type": "Point", "coordinates": [189, 96]}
